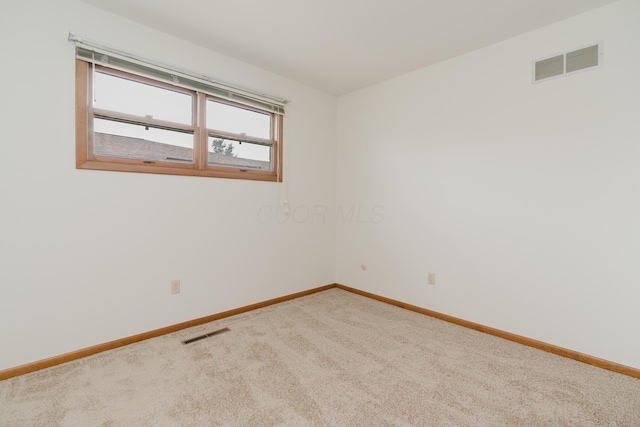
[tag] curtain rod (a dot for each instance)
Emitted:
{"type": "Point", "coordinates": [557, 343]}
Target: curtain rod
{"type": "Point", "coordinates": [81, 41]}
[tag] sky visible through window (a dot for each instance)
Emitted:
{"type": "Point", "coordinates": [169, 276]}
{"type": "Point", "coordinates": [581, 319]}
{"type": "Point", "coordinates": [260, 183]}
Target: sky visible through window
{"type": "Point", "coordinates": [143, 100]}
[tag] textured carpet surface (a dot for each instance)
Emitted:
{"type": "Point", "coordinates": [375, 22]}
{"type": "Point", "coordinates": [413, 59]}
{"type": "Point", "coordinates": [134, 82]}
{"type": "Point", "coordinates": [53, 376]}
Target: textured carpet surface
{"type": "Point", "coordinates": [328, 359]}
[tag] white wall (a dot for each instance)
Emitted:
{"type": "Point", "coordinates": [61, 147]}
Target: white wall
{"type": "Point", "coordinates": [523, 199]}
{"type": "Point", "coordinates": [87, 256]}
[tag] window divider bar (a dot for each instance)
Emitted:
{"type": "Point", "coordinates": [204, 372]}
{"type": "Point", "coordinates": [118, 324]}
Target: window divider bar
{"type": "Point", "coordinates": [142, 121]}
{"type": "Point", "coordinates": [239, 137]}
{"type": "Point", "coordinates": [201, 138]}
{"type": "Point", "coordinates": [279, 166]}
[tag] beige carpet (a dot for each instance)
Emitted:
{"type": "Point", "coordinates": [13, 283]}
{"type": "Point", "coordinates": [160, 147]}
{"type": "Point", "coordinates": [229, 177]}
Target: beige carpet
{"type": "Point", "coordinates": [328, 359]}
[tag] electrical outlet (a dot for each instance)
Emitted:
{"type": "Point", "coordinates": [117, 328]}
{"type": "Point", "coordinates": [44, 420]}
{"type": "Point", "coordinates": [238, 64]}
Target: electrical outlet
{"type": "Point", "coordinates": [431, 278]}
{"type": "Point", "coordinates": [175, 286]}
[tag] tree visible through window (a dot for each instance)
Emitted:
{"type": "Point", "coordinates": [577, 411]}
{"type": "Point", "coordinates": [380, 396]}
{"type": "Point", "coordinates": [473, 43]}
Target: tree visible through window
{"type": "Point", "coordinates": [220, 147]}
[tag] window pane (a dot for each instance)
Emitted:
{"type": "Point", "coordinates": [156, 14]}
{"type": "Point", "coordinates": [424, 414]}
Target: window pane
{"type": "Point", "coordinates": [226, 152]}
{"type": "Point", "coordinates": [138, 142]}
{"type": "Point", "coordinates": [229, 118]}
{"type": "Point", "coordinates": [131, 97]}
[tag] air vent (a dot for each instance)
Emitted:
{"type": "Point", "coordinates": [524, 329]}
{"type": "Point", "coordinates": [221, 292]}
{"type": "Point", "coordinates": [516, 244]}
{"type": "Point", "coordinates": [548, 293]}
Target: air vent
{"type": "Point", "coordinates": [550, 67]}
{"type": "Point", "coordinates": [203, 336]}
{"type": "Point", "coordinates": [586, 58]}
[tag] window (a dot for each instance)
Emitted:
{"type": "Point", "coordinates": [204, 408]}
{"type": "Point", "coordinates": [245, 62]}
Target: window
{"type": "Point", "coordinates": [127, 122]}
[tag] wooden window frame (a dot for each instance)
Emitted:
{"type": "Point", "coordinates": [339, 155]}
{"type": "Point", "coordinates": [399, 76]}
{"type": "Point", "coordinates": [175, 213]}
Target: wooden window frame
{"type": "Point", "coordinates": [86, 159]}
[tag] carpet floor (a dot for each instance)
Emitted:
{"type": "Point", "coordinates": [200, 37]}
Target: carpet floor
{"type": "Point", "coordinates": [328, 359]}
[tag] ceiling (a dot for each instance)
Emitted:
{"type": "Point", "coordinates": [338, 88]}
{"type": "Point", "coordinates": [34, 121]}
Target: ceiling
{"type": "Point", "coordinates": [339, 46]}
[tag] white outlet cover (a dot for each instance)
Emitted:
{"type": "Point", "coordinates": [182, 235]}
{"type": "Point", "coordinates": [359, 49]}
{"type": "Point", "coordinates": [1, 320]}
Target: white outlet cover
{"type": "Point", "coordinates": [175, 286]}
{"type": "Point", "coordinates": [431, 278]}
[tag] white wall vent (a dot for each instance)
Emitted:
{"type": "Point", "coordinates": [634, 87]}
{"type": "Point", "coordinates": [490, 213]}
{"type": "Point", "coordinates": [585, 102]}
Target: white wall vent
{"type": "Point", "coordinates": [570, 62]}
